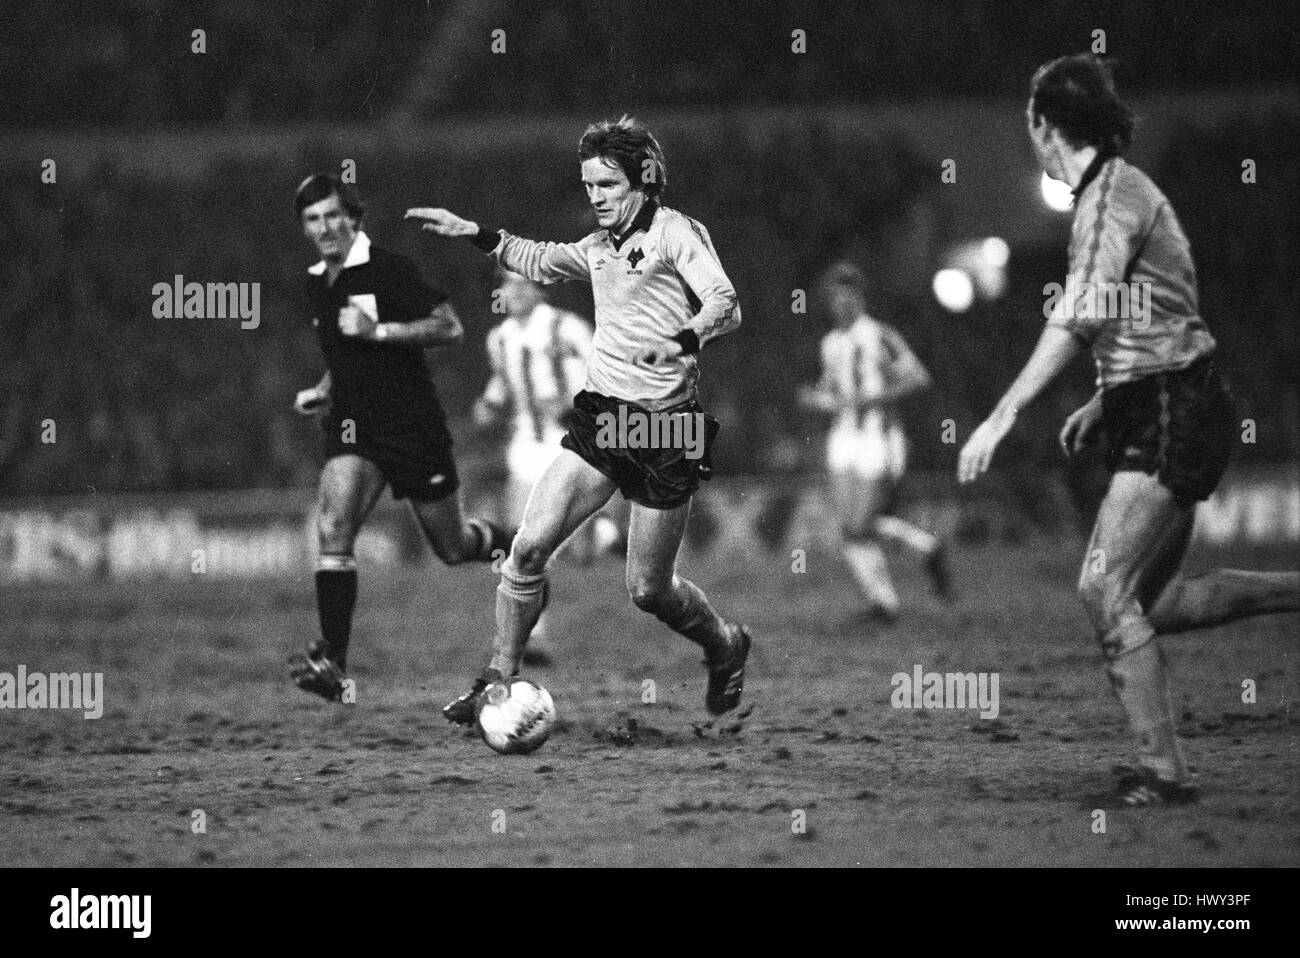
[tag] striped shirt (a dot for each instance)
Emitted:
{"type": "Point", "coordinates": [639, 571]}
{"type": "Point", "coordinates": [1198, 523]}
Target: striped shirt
{"type": "Point", "coordinates": [1131, 290]}
{"type": "Point", "coordinates": [658, 279]}
{"type": "Point", "coordinates": [538, 363]}
{"type": "Point", "coordinates": [858, 364]}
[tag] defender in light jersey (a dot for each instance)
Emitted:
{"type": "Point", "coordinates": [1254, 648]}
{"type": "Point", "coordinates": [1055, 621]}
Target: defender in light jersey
{"type": "Point", "coordinates": [1168, 420]}
{"type": "Point", "coordinates": [867, 368]}
{"type": "Point", "coordinates": [660, 295]}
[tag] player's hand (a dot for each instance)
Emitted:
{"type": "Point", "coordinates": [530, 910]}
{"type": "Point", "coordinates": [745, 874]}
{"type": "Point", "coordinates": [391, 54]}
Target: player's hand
{"type": "Point", "coordinates": [443, 222]}
{"type": "Point", "coordinates": [1082, 428]}
{"type": "Point", "coordinates": [651, 356]}
{"type": "Point", "coordinates": [311, 402]}
{"type": "Point", "coordinates": [978, 451]}
{"type": "Point", "coordinates": [355, 322]}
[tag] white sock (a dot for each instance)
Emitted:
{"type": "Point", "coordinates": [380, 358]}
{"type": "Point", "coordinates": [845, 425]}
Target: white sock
{"type": "Point", "coordinates": [867, 563]}
{"type": "Point", "coordinates": [900, 530]}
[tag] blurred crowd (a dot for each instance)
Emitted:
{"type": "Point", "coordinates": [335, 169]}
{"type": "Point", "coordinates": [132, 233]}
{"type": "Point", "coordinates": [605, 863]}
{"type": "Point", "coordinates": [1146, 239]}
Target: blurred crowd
{"type": "Point", "coordinates": [129, 63]}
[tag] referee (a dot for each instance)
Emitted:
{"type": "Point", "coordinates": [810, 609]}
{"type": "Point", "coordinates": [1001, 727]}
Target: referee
{"type": "Point", "coordinates": [383, 425]}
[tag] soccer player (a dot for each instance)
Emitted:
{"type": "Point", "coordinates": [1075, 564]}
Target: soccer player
{"type": "Point", "coordinates": [382, 422]}
{"type": "Point", "coordinates": [867, 368]}
{"type": "Point", "coordinates": [660, 295]}
{"type": "Point", "coordinates": [1161, 403]}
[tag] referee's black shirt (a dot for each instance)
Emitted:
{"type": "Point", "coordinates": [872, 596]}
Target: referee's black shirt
{"type": "Point", "coordinates": [385, 385]}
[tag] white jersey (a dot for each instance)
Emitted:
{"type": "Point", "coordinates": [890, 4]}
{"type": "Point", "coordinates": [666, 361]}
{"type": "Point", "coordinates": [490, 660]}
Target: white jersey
{"type": "Point", "coordinates": [856, 365]}
{"type": "Point", "coordinates": [538, 364]}
{"type": "Point", "coordinates": [661, 277]}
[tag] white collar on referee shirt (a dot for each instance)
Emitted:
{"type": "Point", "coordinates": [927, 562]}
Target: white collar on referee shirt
{"type": "Point", "coordinates": [358, 255]}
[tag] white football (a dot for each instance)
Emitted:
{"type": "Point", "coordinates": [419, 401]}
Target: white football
{"type": "Point", "coordinates": [515, 716]}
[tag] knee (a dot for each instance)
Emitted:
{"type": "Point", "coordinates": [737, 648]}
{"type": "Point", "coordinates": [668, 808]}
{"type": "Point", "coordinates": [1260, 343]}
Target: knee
{"type": "Point", "coordinates": [648, 594]}
{"type": "Point", "coordinates": [528, 556]}
{"type": "Point", "coordinates": [1108, 599]}
{"type": "Point", "coordinates": [336, 532]}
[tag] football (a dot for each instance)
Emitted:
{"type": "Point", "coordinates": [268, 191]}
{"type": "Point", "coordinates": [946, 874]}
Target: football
{"type": "Point", "coordinates": [515, 716]}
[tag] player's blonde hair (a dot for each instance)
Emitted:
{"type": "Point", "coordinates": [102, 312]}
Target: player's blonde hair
{"type": "Point", "coordinates": [628, 143]}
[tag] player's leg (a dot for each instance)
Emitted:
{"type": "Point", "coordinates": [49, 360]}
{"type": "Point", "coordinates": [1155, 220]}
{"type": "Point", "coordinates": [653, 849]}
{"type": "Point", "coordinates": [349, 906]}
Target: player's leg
{"type": "Point", "coordinates": [349, 488]}
{"type": "Point", "coordinates": [526, 461]}
{"type": "Point", "coordinates": [1131, 541]}
{"type": "Point", "coordinates": [654, 538]}
{"type": "Point", "coordinates": [1177, 603]}
{"type": "Point", "coordinates": [569, 491]}
{"type": "Point", "coordinates": [908, 534]}
{"type": "Point", "coordinates": [455, 537]}
{"type": "Point", "coordinates": [858, 499]}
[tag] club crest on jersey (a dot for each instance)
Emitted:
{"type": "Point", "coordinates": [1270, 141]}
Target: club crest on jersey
{"type": "Point", "coordinates": [634, 257]}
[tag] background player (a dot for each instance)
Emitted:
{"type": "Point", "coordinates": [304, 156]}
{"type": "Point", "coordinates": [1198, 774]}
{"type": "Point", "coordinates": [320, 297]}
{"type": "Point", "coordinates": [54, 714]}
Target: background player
{"type": "Point", "coordinates": [660, 294]}
{"type": "Point", "coordinates": [1168, 421]}
{"type": "Point", "coordinates": [867, 368]}
{"type": "Point", "coordinates": [382, 422]}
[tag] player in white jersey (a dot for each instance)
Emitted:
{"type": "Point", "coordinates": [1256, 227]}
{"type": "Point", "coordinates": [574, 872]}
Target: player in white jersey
{"type": "Point", "coordinates": [538, 356]}
{"type": "Point", "coordinates": [867, 368]}
{"type": "Point", "coordinates": [638, 428]}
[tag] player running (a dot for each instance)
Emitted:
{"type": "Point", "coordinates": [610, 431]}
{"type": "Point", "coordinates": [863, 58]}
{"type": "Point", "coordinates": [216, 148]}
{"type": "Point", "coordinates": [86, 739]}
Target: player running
{"type": "Point", "coordinates": [1166, 415]}
{"type": "Point", "coordinates": [660, 295]}
{"type": "Point", "coordinates": [867, 368]}
{"type": "Point", "coordinates": [383, 424]}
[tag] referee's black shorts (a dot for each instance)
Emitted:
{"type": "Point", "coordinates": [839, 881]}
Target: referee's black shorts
{"type": "Point", "coordinates": [413, 454]}
{"type": "Point", "coordinates": [1178, 426]}
{"type": "Point", "coordinates": [662, 478]}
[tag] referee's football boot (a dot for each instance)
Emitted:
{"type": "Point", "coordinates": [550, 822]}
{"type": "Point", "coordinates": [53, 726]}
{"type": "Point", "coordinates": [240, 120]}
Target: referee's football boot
{"type": "Point", "coordinates": [727, 676]}
{"type": "Point", "coordinates": [316, 672]}
{"type": "Point", "coordinates": [461, 711]}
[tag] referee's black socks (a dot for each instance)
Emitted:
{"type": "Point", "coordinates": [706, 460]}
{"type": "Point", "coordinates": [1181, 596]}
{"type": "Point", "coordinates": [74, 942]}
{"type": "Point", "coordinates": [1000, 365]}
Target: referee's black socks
{"type": "Point", "coordinates": [336, 597]}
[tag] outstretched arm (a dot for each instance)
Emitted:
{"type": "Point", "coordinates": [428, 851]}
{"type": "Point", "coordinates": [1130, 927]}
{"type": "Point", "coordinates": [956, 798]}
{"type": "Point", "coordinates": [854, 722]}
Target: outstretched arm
{"type": "Point", "coordinates": [1055, 349]}
{"type": "Point", "coordinates": [540, 262]}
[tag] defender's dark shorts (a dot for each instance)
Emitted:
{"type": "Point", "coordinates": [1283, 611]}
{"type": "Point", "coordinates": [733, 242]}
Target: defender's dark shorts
{"type": "Point", "coordinates": [1179, 427]}
{"type": "Point", "coordinates": [415, 459]}
{"type": "Point", "coordinates": [661, 478]}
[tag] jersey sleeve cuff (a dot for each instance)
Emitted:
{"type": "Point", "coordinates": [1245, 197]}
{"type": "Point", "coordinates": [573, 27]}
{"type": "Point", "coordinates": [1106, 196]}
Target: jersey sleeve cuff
{"type": "Point", "coordinates": [486, 239]}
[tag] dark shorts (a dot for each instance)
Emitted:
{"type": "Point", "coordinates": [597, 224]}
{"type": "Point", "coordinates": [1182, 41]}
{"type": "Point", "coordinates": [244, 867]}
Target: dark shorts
{"type": "Point", "coordinates": [416, 459]}
{"type": "Point", "coordinates": [659, 478]}
{"type": "Point", "coordinates": [1179, 427]}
